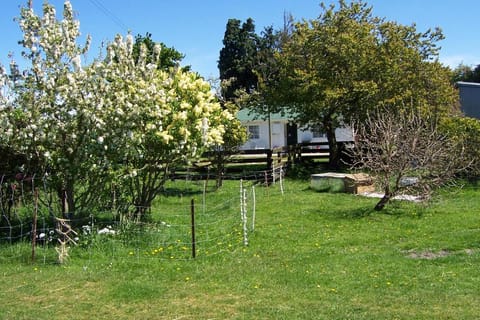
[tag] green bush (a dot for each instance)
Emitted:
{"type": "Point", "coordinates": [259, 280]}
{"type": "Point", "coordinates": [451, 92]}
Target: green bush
{"type": "Point", "coordinates": [465, 132]}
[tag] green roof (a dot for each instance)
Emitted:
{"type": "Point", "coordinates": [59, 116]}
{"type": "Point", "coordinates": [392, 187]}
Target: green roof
{"type": "Point", "coordinates": [250, 115]}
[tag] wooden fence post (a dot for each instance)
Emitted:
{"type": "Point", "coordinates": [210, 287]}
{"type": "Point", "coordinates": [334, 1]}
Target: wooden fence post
{"type": "Point", "coordinates": [269, 159]}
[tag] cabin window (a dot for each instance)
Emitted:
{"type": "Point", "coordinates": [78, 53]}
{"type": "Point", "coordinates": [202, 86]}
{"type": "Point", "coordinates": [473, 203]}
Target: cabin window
{"type": "Point", "coordinates": [254, 132]}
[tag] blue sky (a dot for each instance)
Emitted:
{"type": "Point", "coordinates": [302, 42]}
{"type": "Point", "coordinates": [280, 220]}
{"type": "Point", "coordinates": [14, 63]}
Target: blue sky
{"type": "Point", "coordinates": [196, 28]}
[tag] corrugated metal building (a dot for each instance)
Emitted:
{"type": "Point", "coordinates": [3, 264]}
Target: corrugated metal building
{"type": "Point", "coordinates": [470, 98]}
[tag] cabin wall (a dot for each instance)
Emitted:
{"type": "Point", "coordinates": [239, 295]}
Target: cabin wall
{"type": "Point", "coordinates": [279, 135]}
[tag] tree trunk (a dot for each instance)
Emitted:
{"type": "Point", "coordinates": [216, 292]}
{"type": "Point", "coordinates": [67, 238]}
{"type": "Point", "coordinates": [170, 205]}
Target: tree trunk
{"type": "Point", "coordinates": [141, 212]}
{"type": "Point", "coordinates": [144, 189]}
{"type": "Point", "coordinates": [386, 198]}
{"type": "Point", "coordinates": [220, 167]}
{"type": "Point", "coordinates": [334, 153]}
{"type": "Point", "coordinates": [67, 201]}
{"type": "Point", "coordinates": [383, 202]}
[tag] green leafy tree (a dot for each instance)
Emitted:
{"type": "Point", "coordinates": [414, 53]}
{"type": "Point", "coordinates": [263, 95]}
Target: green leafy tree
{"type": "Point", "coordinates": [466, 73]}
{"type": "Point", "coordinates": [264, 99]}
{"type": "Point", "coordinates": [348, 63]}
{"type": "Point", "coordinates": [324, 69]}
{"type": "Point", "coordinates": [407, 73]}
{"type": "Point", "coordinates": [465, 132]}
{"type": "Point", "coordinates": [169, 57]}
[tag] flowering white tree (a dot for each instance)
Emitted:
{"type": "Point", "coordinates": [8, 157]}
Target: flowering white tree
{"type": "Point", "coordinates": [48, 117]}
{"type": "Point", "coordinates": [119, 118]}
{"type": "Point", "coordinates": [158, 118]}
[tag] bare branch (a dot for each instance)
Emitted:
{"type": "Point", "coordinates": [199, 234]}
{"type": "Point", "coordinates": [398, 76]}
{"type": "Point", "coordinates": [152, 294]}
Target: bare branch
{"type": "Point", "coordinates": [406, 153]}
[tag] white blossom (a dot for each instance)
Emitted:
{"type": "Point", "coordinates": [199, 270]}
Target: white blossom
{"type": "Point", "coordinates": [77, 63]}
{"type": "Point", "coordinates": [129, 43]}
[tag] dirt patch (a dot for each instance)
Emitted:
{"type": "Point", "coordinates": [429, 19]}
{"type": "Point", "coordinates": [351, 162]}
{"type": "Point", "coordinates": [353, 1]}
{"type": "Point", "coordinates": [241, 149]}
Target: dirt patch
{"type": "Point", "coordinates": [469, 251]}
{"type": "Point", "coordinates": [428, 255]}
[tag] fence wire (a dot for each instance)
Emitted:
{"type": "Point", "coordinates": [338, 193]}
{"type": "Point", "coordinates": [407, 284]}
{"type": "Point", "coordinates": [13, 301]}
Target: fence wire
{"type": "Point", "coordinates": [165, 234]}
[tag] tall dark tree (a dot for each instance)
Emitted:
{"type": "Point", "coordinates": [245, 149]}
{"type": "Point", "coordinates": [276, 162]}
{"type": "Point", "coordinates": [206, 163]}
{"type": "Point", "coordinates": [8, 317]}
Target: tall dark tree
{"type": "Point", "coordinates": [475, 77]}
{"type": "Point", "coordinates": [237, 58]}
{"type": "Point", "coordinates": [169, 56]}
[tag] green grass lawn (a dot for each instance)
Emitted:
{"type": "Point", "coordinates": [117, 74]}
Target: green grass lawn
{"type": "Point", "coordinates": [311, 256]}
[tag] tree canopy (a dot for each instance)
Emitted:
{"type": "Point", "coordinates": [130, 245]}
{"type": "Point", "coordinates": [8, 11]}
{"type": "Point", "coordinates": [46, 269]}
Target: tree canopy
{"type": "Point", "coordinates": [346, 63]}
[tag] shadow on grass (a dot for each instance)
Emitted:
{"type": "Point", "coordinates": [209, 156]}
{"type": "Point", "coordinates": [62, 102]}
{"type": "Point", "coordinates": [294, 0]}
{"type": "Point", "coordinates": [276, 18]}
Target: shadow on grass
{"type": "Point", "coordinates": [355, 213]}
{"type": "Point", "coordinates": [336, 214]}
{"type": "Point", "coordinates": [178, 192]}
{"type": "Point", "coordinates": [393, 209]}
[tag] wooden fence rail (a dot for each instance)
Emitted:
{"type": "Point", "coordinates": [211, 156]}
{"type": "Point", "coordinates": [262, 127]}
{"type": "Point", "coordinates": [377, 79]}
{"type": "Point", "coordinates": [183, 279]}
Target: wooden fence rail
{"type": "Point", "coordinates": [283, 155]}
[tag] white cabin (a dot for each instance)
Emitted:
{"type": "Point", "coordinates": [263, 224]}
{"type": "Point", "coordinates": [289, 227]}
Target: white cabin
{"type": "Point", "coordinates": [283, 132]}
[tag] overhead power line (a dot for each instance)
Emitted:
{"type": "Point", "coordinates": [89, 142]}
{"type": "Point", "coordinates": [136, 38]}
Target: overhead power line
{"type": "Point", "coordinates": [109, 14]}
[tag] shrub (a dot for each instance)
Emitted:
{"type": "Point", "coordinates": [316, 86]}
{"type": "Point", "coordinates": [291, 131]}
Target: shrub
{"type": "Point", "coordinates": [465, 132]}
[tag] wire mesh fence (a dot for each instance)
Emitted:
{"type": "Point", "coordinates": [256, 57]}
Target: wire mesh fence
{"type": "Point", "coordinates": [188, 220]}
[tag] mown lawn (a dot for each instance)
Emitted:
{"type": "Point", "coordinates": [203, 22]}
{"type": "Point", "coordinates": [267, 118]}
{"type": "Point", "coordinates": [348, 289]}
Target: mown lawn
{"type": "Point", "coordinates": [311, 256]}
